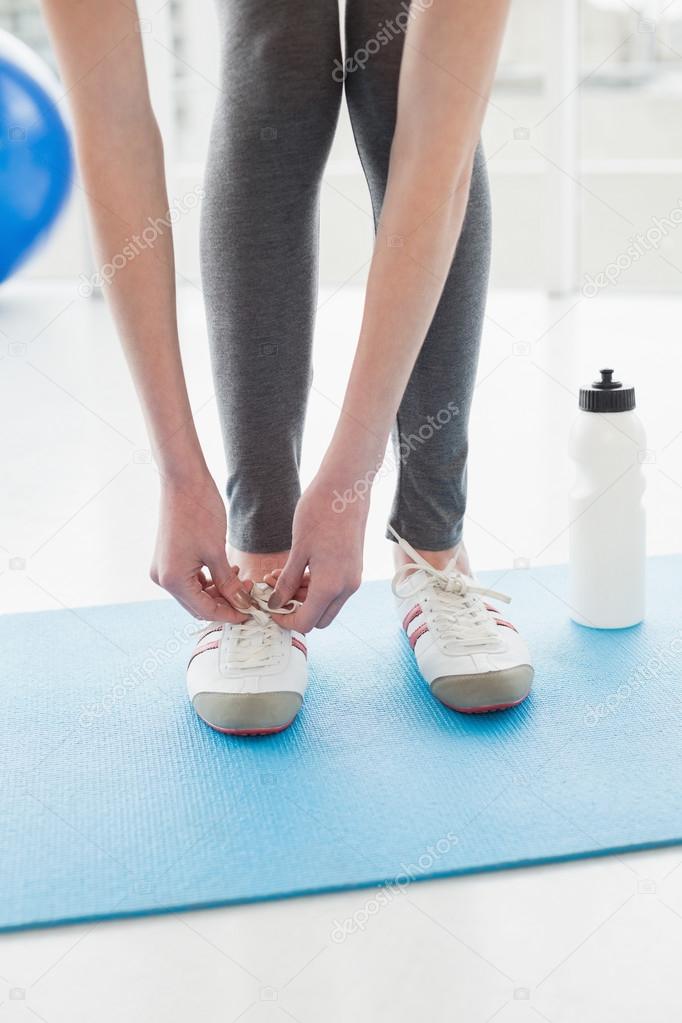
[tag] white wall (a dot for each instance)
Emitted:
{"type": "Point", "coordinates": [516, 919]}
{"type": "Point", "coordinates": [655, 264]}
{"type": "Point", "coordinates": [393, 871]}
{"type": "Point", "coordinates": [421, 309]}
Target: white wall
{"type": "Point", "coordinates": [631, 152]}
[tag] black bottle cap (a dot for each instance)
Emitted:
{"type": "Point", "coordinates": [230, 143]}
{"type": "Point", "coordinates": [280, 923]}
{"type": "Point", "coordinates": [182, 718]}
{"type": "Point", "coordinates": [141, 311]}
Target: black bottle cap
{"type": "Point", "coordinates": [607, 395]}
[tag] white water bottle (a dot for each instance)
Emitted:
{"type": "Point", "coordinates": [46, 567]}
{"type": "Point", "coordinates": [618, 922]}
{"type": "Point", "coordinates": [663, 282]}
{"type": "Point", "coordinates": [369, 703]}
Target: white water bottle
{"type": "Point", "coordinates": [607, 544]}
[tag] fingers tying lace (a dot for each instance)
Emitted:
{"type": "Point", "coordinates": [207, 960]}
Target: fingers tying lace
{"type": "Point", "coordinates": [260, 595]}
{"type": "Point", "coordinates": [256, 643]}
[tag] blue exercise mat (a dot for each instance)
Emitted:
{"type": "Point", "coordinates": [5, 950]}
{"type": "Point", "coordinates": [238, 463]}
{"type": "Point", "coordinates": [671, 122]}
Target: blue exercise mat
{"type": "Point", "coordinates": [116, 799]}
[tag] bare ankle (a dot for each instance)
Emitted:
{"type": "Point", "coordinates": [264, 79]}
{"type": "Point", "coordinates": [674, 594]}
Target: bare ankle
{"type": "Point", "coordinates": [256, 566]}
{"type": "Point", "coordinates": [439, 559]}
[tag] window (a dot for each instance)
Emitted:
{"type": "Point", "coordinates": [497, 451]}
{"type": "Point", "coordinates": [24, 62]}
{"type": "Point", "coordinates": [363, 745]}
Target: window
{"type": "Point", "coordinates": [582, 137]}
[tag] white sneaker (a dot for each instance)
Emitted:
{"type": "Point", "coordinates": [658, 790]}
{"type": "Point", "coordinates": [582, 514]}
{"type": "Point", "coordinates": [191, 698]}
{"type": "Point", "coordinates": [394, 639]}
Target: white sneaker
{"type": "Point", "coordinates": [472, 659]}
{"type": "Point", "coordinates": [249, 679]}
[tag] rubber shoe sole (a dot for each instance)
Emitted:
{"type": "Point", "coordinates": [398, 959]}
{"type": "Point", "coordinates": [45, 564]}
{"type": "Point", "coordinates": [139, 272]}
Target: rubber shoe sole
{"type": "Point", "coordinates": [247, 713]}
{"type": "Point", "coordinates": [484, 692]}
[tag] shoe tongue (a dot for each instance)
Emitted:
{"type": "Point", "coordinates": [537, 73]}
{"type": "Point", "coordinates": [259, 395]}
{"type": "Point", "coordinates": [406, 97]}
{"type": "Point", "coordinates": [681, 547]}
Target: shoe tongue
{"type": "Point", "coordinates": [255, 623]}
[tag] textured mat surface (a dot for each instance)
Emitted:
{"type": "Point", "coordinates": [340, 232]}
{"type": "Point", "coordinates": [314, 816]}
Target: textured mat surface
{"type": "Point", "coordinates": [115, 799]}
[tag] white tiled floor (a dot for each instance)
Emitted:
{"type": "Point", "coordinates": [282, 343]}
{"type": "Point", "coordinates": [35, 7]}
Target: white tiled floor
{"type": "Point", "coordinates": [591, 942]}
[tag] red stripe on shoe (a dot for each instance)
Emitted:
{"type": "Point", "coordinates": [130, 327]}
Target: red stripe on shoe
{"type": "Point", "coordinates": [411, 615]}
{"type": "Point", "coordinates": [203, 649]}
{"type": "Point", "coordinates": [416, 634]}
{"type": "Point", "coordinates": [299, 646]}
{"type": "Point", "coordinates": [210, 632]}
{"type": "Point", "coordinates": [508, 625]}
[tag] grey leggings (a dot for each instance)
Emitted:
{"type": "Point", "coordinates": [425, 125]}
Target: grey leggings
{"type": "Point", "coordinates": [274, 123]}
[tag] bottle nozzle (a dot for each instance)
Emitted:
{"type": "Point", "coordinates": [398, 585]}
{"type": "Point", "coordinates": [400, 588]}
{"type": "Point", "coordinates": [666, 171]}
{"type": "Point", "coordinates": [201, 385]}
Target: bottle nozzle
{"type": "Point", "coordinates": [607, 383]}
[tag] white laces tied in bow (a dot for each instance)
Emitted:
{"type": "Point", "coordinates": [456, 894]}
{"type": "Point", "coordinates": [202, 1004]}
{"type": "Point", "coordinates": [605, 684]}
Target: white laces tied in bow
{"type": "Point", "coordinates": [459, 614]}
{"type": "Point", "coordinates": [258, 642]}
{"type": "Point", "coordinates": [260, 595]}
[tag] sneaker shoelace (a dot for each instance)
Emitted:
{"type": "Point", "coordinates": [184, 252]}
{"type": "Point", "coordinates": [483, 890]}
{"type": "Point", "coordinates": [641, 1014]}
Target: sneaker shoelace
{"type": "Point", "coordinates": [258, 642]}
{"type": "Point", "coordinates": [458, 613]}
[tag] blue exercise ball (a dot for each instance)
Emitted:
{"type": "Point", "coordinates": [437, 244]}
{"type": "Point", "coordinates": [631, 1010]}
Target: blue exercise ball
{"type": "Point", "coordinates": [36, 161]}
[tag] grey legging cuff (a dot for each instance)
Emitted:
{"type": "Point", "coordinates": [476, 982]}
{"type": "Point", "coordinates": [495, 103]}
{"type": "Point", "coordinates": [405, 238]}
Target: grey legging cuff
{"type": "Point", "coordinates": [274, 123]}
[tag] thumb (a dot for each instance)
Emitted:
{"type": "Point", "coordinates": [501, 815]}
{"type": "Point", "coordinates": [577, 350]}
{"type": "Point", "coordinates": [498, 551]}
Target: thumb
{"type": "Point", "coordinates": [226, 580]}
{"type": "Point", "coordinates": [289, 579]}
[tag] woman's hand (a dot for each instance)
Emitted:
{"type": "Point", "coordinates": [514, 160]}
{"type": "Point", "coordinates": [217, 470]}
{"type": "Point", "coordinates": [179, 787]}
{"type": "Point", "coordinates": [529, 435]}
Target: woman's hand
{"type": "Point", "coordinates": [328, 537]}
{"type": "Point", "coordinates": [191, 536]}
{"type": "Point", "coordinates": [121, 166]}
